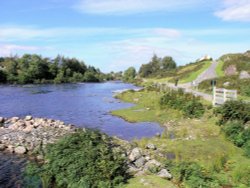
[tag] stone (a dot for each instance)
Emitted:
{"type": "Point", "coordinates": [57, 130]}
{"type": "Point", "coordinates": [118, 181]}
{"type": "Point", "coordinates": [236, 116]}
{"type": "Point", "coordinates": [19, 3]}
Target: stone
{"type": "Point", "coordinates": [151, 146]}
{"type": "Point", "coordinates": [152, 164]}
{"type": "Point", "coordinates": [244, 75]}
{"type": "Point", "coordinates": [2, 120]}
{"type": "Point", "coordinates": [20, 150]}
{"type": "Point", "coordinates": [226, 84]}
{"type": "Point", "coordinates": [135, 154]}
{"type": "Point", "coordinates": [140, 162]}
{"type": "Point", "coordinates": [14, 119]}
{"type": "Point", "coordinates": [132, 169]}
{"type": "Point", "coordinates": [10, 148]}
{"type": "Point", "coordinates": [28, 118]}
{"type": "Point", "coordinates": [2, 147]}
{"type": "Point", "coordinates": [164, 173]}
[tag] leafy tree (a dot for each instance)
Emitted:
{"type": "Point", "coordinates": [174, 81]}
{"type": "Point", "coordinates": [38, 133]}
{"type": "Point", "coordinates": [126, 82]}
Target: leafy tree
{"type": "Point", "coordinates": [84, 159]}
{"type": "Point", "coordinates": [129, 75]}
{"type": "Point", "coordinates": [168, 63]}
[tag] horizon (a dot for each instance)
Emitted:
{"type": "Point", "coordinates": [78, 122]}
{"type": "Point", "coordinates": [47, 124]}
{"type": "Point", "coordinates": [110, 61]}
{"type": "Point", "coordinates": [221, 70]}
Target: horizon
{"type": "Point", "coordinates": [114, 35]}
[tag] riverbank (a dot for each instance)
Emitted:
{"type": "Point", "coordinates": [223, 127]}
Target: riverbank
{"type": "Point", "coordinates": [199, 142]}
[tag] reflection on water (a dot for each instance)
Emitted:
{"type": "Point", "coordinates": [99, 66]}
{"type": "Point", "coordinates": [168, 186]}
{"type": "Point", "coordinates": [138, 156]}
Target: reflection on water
{"type": "Point", "coordinates": [11, 168]}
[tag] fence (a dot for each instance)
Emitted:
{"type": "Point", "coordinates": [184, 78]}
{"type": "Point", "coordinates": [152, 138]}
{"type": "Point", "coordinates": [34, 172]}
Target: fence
{"type": "Point", "coordinates": [221, 95]}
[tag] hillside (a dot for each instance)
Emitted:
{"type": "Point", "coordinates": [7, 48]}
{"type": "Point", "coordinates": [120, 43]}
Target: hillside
{"type": "Point", "coordinates": [233, 64]}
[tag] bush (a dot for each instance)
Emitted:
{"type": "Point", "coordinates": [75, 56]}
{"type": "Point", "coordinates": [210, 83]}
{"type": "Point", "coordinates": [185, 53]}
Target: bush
{"type": "Point", "coordinates": [193, 175]}
{"type": "Point", "coordinates": [187, 103]}
{"type": "Point", "coordinates": [234, 110]}
{"type": "Point", "coordinates": [193, 109]}
{"type": "Point", "coordinates": [84, 159]}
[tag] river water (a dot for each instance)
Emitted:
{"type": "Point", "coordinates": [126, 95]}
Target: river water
{"type": "Point", "coordinates": [84, 105]}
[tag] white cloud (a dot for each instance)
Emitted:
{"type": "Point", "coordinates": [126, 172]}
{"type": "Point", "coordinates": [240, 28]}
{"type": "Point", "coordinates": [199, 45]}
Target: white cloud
{"type": "Point", "coordinates": [11, 49]}
{"type": "Point", "coordinates": [124, 7]}
{"type": "Point", "coordinates": [17, 33]}
{"type": "Point", "coordinates": [235, 10]}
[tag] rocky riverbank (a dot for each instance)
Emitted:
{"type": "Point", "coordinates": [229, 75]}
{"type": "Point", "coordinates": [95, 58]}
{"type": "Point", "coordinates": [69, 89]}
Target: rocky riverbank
{"type": "Point", "coordinates": [30, 135]}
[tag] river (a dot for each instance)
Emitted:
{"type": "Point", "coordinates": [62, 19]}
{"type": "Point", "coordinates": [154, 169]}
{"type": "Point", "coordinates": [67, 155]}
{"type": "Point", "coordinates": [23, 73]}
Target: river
{"type": "Point", "coordinates": [84, 105]}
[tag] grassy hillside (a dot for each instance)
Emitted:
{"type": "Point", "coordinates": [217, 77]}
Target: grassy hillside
{"type": "Point", "coordinates": [189, 72]}
{"type": "Point", "coordinates": [240, 60]}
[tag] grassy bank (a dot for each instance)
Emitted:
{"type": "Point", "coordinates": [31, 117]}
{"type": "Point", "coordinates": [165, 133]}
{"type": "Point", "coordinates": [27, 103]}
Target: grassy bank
{"type": "Point", "coordinates": [188, 140]}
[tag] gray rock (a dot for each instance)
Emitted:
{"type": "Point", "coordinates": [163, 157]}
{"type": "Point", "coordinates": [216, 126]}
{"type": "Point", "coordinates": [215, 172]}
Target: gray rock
{"type": "Point", "coordinates": [2, 147]}
{"type": "Point", "coordinates": [244, 75]}
{"type": "Point", "coordinates": [135, 154]}
{"type": "Point", "coordinates": [151, 164]}
{"type": "Point", "coordinates": [140, 162]}
{"type": "Point", "coordinates": [10, 148]}
{"type": "Point", "coordinates": [164, 174]}
{"type": "Point", "coordinates": [2, 120]}
{"type": "Point", "coordinates": [28, 118]}
{"type": "Point", "coordinates": [151, 146]}
{"type": "Point", "coordinates": [20, 150]}
{"type": "Point", "coordinates": [132, 169]}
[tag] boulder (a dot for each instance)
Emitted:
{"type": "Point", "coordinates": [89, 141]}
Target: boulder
{"type": "Point", "coordinates": [151, 146]}
{"type": "Point", "coordinates": [2, 120]}
{"type": "Point", "coordinates": [152, 164]}
{"type": "Point", "coordinates": [20, 150]}
{"type": "Point", "coordinates": [2, 147]}
{"type": "Point", "coordinates": [244, 75]}
{"type": "Point", "coordinates": [135, 154]}
{"type": "Point", "coordinates": [10, 148]}
{"type": "Point", "coordinates": [28, 118]}
{"type": "Point", "coordinates": [140, 162]}
{"type": "Point", "coordinates": [164, 174]}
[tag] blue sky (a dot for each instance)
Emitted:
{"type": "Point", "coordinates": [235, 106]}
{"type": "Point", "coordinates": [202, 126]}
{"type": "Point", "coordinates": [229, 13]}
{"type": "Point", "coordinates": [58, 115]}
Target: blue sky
{"type": "Point", "coordinates": [116, 34]}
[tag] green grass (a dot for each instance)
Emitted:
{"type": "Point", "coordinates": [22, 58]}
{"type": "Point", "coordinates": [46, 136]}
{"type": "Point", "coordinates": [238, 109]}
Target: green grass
{"type": "Point", "coordinates": [147, 108]}
{"type": "Point", "coordinates": [219, 69]}
{"type": "Point", "coordinates": [195, 140]}
{"type": "Point", "coordinates": [193, 75]}
{"type": "Point", "coordinates": [149, 181]}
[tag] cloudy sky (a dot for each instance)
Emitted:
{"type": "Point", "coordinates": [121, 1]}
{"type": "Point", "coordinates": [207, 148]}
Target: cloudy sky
{"type": "Point", "coordinates": [116, 34]}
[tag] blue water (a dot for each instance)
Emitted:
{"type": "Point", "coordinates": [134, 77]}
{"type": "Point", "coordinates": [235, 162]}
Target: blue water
{"type": "Point", "coordinates": [84, 105]}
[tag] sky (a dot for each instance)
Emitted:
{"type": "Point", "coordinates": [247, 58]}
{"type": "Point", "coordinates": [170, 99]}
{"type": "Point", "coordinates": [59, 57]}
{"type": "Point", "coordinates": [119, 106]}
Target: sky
{"type": "Point", "coordinates": [116, 34]}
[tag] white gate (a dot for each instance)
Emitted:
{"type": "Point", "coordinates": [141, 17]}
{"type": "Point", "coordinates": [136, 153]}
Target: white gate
{"type": "Point", "coordinates": [221, 95]}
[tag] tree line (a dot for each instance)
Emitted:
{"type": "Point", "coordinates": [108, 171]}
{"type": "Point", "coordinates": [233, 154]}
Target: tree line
{"type": "Point", "coordinates": [33, 68]}
{"type": "Point", "coordinates": [156, 67]}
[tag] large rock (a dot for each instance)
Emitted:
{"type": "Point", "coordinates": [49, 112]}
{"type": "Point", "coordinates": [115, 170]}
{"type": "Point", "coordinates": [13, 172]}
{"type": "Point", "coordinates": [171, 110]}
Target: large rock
{"type": "Point", "coordinates": [135, 154]}
{"type": "Point", "coordinates": [164, 174]}
{"type": "Point", "coordinates": [140, 162]}
{"type": "Point", "coordinates": [152, 164]}
{"type": "Point", "coordinates": [28, 118]}
{"type": "Point", "coordinates": [2, 147]}
{"type": "Point", "coordinates": [20, 150]}
{"type": "Point", "coordinates": [151, 146]}
{"type": "Point", "coordinates": [244, 75]}
{"type": "Point", "coordinates": [2, 120]}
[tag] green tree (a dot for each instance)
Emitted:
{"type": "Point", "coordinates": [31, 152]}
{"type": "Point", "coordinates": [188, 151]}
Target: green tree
{"type": "Point", "coordinates": [129, 75]}
{"type": "Point", "coordinates": [168, 63]}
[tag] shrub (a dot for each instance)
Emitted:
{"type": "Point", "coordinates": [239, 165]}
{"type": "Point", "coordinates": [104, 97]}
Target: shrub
{"type": "Point", "coordinates": [193, 175]}
{"type": "Point", "coordinates": [234, 110]}
{"type": "Point", "coordinates": [193, 109]}
{"type": "Point", "coordinates": [84, 159]}
{"type": "Point", "coordinates": [187, 103]}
